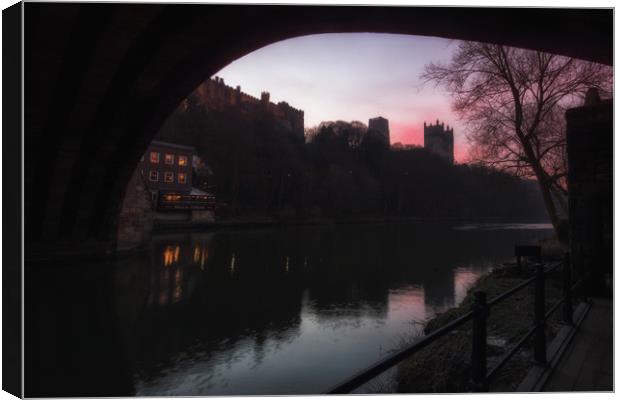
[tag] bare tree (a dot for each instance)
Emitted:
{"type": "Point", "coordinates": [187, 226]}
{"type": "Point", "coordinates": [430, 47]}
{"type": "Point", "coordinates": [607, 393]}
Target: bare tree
{"type": "Point", "coordinates": [513, 102]}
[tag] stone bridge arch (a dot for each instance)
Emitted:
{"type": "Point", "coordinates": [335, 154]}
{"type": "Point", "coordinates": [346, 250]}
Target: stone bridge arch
{"type": "Point", "coordinates": [100, 79]}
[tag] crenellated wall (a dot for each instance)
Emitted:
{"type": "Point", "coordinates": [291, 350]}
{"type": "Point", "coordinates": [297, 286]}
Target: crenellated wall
{"type": "Point", "coordinates": [439, 140]}
{"type": "Point", "coordinates": [214, 94]}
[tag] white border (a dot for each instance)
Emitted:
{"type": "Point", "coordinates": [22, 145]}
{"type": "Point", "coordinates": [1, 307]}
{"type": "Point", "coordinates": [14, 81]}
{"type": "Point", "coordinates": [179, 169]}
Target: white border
{"type": "Point", "coordinates": [529, 3]}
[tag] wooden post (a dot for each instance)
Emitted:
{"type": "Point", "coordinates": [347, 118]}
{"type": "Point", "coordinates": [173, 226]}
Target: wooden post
{"type": "Point", "coordinates": [479, 343]}
{"type": "Point", "coordinates": [540, 344]}
{"type": "Point", "coordinates": [568, 296]}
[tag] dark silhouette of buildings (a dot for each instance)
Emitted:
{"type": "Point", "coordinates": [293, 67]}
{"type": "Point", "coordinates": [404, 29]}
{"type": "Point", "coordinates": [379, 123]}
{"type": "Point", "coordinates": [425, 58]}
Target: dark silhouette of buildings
{"type": "Point", "coordinates": [215, 95]}
{"type": "Point", "coordinates": [439, 140]}
{"type": "Point", "coordinates": [381, 126]}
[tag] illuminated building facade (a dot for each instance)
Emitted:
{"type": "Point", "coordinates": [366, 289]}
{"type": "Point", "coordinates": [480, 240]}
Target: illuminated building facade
{"type": "Point", "coordinates": [167, 167]}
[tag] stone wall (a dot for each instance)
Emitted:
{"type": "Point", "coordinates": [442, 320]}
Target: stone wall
{"type": "Point", "coordinates": [590, 184]}
{"type": "Point", "coordinates": [215, 95]}
{"type": "Point", "coordinates": [135, 221]}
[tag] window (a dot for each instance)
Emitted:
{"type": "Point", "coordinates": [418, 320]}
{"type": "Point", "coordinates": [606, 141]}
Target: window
{"type": "Point", "coordinates": [142, 158]}
{"type": "Point", "coordinates": [154, 157]}
{"type": "Point", "coordinates": [168, 176]}
{"type": "Point", "coordinates": [182, 177]}
{"type": "Point", "coordinates": [154, 176]}
{"type": "Point", "coordinates": [182, 160]}
{"type": "Point", "coordinates": [169, 159]}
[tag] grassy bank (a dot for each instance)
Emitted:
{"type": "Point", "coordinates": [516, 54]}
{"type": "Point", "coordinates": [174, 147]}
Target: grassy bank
{"type": "Point", "coordinates": [444, 366]}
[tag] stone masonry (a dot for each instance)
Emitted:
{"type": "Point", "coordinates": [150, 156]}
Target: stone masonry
{"type": "Point", "coordinates": [590, 184]}
{"type": "Point", "coordinates": [135, 221]}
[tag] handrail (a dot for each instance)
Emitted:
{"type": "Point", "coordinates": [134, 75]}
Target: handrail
{"type": "Point", "coordinates": [511, 352]}
{"type": "Point", "coordinates": [509, 292]}
{"type": "Point", "coordinates": [520, 286]}
{"type": "Point", "coordinates": [391, 360]}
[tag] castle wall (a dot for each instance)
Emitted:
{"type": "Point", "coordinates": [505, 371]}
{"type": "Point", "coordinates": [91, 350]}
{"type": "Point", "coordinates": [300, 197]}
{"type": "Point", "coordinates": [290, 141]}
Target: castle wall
{"type": "Point", "coordinates": [216, 95]}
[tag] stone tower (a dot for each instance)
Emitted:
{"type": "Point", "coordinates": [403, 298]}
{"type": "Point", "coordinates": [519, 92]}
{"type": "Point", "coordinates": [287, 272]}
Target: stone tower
{"type": "Point", "coordinates": [439, 140]}
{"type": "Point", "coordinates": [380, 125]}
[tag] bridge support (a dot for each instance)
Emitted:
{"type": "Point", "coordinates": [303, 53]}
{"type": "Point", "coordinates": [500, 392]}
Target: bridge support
{"type": "Point", "coordinates": [589, 131]}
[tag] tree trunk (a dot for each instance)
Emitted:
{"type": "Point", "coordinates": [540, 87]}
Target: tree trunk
{"type": "Point", "coordinates": [545, 189]}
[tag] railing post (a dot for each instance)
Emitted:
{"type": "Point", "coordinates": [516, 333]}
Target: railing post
{"type": "Point", "coordinates": [568, 296]}
{"type": "Point", "coordinates": [479, 343]}
{"type": "Point", "coordinates": [540, 345]}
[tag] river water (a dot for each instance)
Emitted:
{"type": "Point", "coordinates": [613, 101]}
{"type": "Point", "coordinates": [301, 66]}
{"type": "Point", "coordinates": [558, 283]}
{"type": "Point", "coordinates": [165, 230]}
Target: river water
{"type": "Point", "coordinates": [260, 311]}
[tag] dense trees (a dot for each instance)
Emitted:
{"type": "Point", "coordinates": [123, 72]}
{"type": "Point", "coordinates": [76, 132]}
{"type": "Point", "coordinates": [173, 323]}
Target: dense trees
{"type": "Point", "coordinates": [514, 102]}
{"type": "Point", "coordinates": [261, 170]}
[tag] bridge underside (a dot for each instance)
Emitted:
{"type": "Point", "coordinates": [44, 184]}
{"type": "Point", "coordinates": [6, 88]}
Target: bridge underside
{"type": "Point", "coordinates": [100, 79]}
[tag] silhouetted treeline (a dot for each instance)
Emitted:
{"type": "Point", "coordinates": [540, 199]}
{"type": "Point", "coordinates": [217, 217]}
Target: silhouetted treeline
{"type": "Point", "coordinates": [260, 169]}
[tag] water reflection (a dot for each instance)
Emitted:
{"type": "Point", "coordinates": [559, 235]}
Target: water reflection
{"type": "Point", "coordinates": [272, 311]}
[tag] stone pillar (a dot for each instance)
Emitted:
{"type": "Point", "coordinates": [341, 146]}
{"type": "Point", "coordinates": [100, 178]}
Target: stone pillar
{"type": "Point", "coordinates": [589, 131]}
{"type": "Point", "coordinates": [135, 221]}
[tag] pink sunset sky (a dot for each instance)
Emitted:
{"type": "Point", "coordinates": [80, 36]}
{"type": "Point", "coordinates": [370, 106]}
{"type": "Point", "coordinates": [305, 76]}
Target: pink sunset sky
{"type": "Point", "coordinates": [354, 76]}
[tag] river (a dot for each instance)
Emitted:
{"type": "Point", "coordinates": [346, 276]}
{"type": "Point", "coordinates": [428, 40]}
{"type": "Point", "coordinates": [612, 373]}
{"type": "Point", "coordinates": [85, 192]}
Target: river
{"type": "Point", "coordinates": [263, 311]}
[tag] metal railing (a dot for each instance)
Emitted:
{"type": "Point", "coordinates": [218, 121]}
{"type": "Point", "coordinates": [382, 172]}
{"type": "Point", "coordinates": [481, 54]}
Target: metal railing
{"type": "Point", "coordinates": [479, 315]}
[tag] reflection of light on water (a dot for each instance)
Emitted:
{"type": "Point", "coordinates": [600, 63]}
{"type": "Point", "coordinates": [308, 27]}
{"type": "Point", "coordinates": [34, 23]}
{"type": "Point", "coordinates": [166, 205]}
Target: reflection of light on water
{"type": "Point", "coordinates": [164, 278]}
{"type": "Point", "coordinates": [360, 320]}
{"type": "Point", "coordinates": [464, 279]}
{"type": "Point", "coordinates": [171, 255]}
{"type": "Point", "coordinates": [201, 254]}
{"type": "Point", "coordinates": [232, 263]}
{"type": "Point", "coordinates": [178, 285]}
{"type": "Point", "coordinates": [286, 264]}
{"type": "Point", "coordinates": [196, 253]}
{"type": "Point", "coordinates": [490, 227]}
{"type": "Point", "coordinates": [406, 305]}
{"type": "Point", "coordinates": [204, 257]}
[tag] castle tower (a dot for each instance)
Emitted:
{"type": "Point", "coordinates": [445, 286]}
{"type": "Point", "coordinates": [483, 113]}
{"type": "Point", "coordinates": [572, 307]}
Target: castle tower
{"type": "Point", "coordinates": [264, 97]}
{"type": "Point", "coordinates": [439, 140]}
{"type": "Point", "coordinates": [382, 126]}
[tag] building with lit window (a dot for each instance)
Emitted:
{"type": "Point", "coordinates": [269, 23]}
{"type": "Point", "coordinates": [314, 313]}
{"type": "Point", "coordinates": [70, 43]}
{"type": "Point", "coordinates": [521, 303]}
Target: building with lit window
{"type": "Point", "coordinates": [167, 167]}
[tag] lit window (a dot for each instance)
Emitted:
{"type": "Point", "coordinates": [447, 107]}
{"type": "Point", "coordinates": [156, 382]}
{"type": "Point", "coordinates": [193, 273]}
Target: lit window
{"type": "Point", "coordinates": [169, 176]}
{"type": "Point", "coordinates": [169, 158]}
{"type": "Point", "coordinates": [154, 176]}
{"type": "Point", "coordinates": [154, 157]}
{"type": "Point", "coordinates": [182, 160]}
{"type": "Point", "coordinates": [182, 177]}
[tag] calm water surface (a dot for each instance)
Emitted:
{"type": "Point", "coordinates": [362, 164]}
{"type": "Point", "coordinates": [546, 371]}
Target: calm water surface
{"type": "Point", "coordinates": [269, 311]}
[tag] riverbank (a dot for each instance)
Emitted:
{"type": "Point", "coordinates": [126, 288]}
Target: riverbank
{"type": "Point", "coordinates": [444, 366]}
{"type": "Point", "coordinates": [250, 223]}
